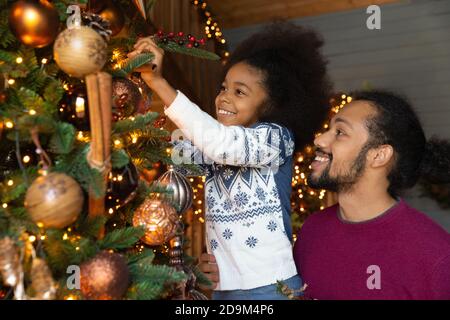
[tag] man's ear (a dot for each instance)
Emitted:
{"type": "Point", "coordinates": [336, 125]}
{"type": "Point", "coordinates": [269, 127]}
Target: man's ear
{"type": "Point", "coordinates": [381, 156]}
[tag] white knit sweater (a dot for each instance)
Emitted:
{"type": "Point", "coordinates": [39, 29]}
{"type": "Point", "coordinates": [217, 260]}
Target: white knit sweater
{"type": "Point", "coordinates": [247, 191]}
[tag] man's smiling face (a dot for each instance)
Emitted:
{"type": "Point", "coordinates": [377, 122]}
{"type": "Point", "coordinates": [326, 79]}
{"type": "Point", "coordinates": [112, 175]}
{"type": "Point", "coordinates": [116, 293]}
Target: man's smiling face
{"type": "Point", "coordinates": [341, 151]}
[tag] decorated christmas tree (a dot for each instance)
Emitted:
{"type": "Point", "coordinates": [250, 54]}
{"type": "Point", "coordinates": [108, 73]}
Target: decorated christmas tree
{"type": "Point", "coordinates": [81, 216]}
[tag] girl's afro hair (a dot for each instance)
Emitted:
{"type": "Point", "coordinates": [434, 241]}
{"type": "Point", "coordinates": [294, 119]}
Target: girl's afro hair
{"type": "Point", "coordinates": [295, 77]}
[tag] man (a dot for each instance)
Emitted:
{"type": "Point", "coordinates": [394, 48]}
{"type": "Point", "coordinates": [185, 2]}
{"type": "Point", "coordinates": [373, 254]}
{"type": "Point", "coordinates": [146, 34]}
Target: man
{"type": "Point", "coordinates": [372, 245]}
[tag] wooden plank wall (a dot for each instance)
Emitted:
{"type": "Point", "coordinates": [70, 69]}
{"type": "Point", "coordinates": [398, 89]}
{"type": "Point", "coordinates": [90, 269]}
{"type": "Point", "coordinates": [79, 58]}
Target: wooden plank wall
{"type": "Point", "coordinates": [410, 54]}
{"type": "Point", "coordinates": [198, 79]}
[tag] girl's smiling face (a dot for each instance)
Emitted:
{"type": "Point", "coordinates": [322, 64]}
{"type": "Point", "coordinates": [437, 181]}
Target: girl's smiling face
{"type": "Point", "coordinates": [242, 96]}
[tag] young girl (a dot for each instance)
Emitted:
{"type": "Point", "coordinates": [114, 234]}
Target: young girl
{"type": "Point", "coordinates": [274, 96]}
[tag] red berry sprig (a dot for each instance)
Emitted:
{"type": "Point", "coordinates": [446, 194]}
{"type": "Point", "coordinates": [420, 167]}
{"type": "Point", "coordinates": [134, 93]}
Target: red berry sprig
{"type": "Point", "coordinates": [183, 40]}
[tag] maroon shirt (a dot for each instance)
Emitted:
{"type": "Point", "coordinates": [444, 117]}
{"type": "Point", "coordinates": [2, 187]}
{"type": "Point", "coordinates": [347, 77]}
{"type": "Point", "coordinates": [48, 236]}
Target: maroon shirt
{"type": "Point", "coordinates": [401, 254]}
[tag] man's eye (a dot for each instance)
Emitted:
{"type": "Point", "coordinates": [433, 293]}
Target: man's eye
{"type": "Point", "coordinates": [340, 132]}
{"type": "Point", "coordinates": [239, 92]}
{"type": "Point", "coordinates": [222, 88]}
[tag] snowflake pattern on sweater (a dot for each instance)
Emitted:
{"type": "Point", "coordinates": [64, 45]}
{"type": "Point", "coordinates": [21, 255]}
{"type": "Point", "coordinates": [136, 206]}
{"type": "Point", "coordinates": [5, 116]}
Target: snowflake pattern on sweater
{"type": "Point", "coordinates": [243, 211]}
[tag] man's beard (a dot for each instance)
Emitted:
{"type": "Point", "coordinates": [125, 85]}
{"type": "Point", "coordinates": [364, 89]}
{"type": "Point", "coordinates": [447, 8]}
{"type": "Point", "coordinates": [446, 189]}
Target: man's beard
{"type": "Point", "coordinates": [342, 182]}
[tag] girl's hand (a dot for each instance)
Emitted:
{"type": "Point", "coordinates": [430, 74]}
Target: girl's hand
{"type": "Point", "coordinates": [150, 72]}
{"type": "Point", "coordinates": [209, 267]}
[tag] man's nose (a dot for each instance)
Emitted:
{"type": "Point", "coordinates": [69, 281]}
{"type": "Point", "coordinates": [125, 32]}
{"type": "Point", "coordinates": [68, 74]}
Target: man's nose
{"type": "Point", "coordinates": [323, 140]}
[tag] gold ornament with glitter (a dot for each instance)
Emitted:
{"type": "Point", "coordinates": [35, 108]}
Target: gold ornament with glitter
{"type": "Point", "coordinates": [42, 281]}
{"type": "Point", "coordinates": [10, 267]}
{"type": "Point", "coordinates": [159, 220]}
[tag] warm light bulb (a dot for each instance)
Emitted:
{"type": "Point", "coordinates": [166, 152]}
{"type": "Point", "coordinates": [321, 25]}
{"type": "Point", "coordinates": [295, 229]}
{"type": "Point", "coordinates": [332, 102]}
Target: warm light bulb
{"type": "Point", "coordinates": [19, 60]}
{"type": "Point", "coordinates": [10, 183]}
{"type": "Point", "coordinates": [32, 238]}
{"type": "Point", "coordinates": [32, 112]}
{"type": "Point", "coordinates": [9, 124]}
{"type": "Point", "coordinates": [11, 81]}
{"type": "Point", "coordinates": [26, 159]}
{"type": "Point", "coordinates": [79, 107]}
{"type": "Point", "coordinates": [44, 60]}
{"type": "Point", "coordinates": [5, 205]}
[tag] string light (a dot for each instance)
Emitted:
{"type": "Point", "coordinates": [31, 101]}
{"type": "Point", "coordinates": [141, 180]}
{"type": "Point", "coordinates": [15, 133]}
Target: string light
{"type": "Point", "coordinates": [212, 28]}
{"type": "Point", "coordinates": [32, 112]}
{"type": "Point", "coordinates": [10, 182]}
{"type": "Point", "coordinates": [305, 200]}
{"type": "Point", "coordinates": [5, 205]}
{"type": "Point", "coordinates": [11, 81]}
{"type": "Point", "coordinates": [44, 60]}
{"type": "Point", "coordinates": [19, 60]}
{"type": "Point", "coordinates": [9, 124]}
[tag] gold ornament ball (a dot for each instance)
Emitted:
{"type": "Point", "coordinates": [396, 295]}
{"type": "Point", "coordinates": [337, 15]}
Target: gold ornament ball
{"type": "Point", "coordinates": [80, 51]}
{"type": "Point", "coordinates": [55, 200]}
{"type": "Point", "coordinates": [159, 220]}
{"type": "Point", "coordinates": [114, 16]}
{"type": "Point", "coordinates": [34, 22]}
{"type": "Point", "coordinates": [104, 277]}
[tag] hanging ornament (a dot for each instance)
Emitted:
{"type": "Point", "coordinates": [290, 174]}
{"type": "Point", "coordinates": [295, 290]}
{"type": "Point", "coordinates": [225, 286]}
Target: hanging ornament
{"type": "Point", "coordinates": [42, 282]}
{"type": "Point", "coordinates": [80, 51]}
{"type": "Point", "coordinates": [104, 277]}
{"type": "Point", "coordinates": [159, 220]}
{"type": "Point", "coordinates": [141, 7]}
{"type": "Point", "coordinates": [144, 90]}
{"type": "Point", "coordinates": [54, 199]}
{"type": "Point", "coordinates": [10, 266]}
{"type": "Point", "coordinates": [127, 99]}
{"type": "Point", "coordinates": [34, 22]}
{"type": "Point", "coordinates": [114, 15]}
{"type": "Point", "coordinates": [182, 191]}
{"type": "Point", "coordinates": [149, 175]}
{"type": "Point", "coordinates": [121, 187]}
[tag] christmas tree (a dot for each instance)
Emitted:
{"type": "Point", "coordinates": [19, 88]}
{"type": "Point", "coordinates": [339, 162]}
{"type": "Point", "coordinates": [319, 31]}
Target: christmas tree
{"type": "Point", "coordinates": [81, 216]}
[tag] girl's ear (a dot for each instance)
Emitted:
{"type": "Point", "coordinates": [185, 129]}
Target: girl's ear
{"type": "Point", "coordinates": [265, 109]}
{"type": "Point", "coordinates": [381, 156]}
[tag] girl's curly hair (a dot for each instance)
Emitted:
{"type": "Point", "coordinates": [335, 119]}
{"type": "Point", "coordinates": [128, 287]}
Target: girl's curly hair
{"type": "Point", "coordinates": [295, 77]}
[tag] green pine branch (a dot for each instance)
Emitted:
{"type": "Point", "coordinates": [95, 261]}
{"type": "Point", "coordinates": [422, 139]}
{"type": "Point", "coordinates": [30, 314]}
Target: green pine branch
{"type": "Point", "coordinates": [119, 158]}
{"type": "Point", "coordinates": [121, 238]}
{"type": "Point", "coordinates": [140, 122]}
{"type": "Point", "coordinates": [75, 165]}
{"type": "Point", "coordinates": [62, 253]}
{"type": "Point", "coordinates": [133, 63]}
{"type": "Point", "coordinates": [194, 52]}
{"type": "Point", "coordinates": [90, 227]}
{"type": "Point", "coordinates": [63, 138]}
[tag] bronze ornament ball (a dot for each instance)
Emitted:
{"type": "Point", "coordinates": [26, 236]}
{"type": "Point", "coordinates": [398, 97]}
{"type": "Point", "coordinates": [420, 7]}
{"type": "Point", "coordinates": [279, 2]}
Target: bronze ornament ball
{"type": "Point", "coordinates": [113, 14]}
{"type": "Point", "coordinates": [104, 277]}
{"type": "Point", "coordinates": [34, 22]}
{"type": "Point", "coordinates": [55, 200]}
{"type": "Point", "coordinates": [159, 220]}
